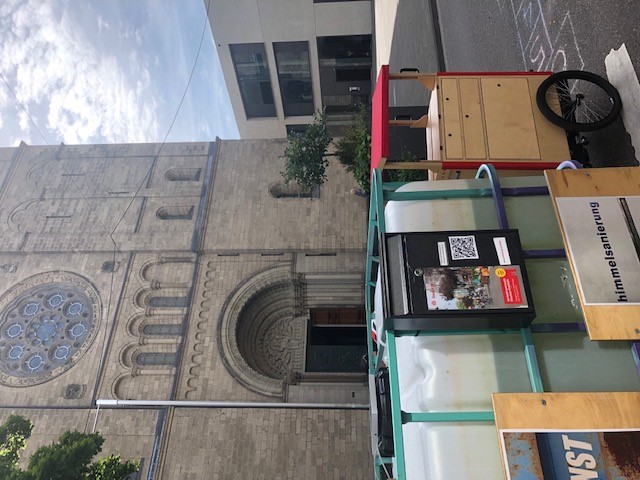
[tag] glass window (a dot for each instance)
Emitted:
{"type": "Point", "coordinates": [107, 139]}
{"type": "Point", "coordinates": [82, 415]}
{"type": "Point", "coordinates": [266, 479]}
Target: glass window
{"type": "Point", "coordinates": [169, 302]}
{"type": "Point", "coordinates": [162, 330]}
{"type": "Point", "coordinates": [294, 76]}
{"type": "Point", "coordinates": [252, 72]}
{"type": "Point", "coordinates": [154, 358]}
{"type": "Point", "coordinates": [297, 128]}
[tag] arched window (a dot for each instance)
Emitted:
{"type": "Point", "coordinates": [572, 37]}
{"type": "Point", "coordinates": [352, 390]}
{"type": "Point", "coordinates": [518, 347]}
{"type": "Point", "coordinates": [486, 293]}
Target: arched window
{"type": "Point", "coordinates": [175, 213]}
{"type": "Point", "coordinates": [291, 190]}
{"type": "Point", "coordinates": [160, 330]}
{"type": "Point", "coordinates": [183, 175]}
{"type": "Point", "coordinates": [156, 358]}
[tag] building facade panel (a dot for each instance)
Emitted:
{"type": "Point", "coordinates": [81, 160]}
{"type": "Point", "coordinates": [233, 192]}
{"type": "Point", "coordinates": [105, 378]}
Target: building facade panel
{"type": "Point", "coordinates": [205, 288]}
{"type": "Point", "coordinates": [230, 443]}
{"type": "Point", "coordinates": [254, 220]}
{"type": "Point", "coordinates": [266, 23]}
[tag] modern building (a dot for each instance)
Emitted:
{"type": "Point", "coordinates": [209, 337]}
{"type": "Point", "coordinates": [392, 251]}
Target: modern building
{"type": "Point", "coordinates": [185, 272]}
{"type": "Point", "coordinates": [284, 59]}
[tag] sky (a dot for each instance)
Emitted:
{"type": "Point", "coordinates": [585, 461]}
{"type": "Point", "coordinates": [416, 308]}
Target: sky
{"type": "Point", "coordinates": [98, 71]}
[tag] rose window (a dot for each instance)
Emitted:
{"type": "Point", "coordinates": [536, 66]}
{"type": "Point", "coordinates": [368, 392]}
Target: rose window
{"type": "Point", "coordinates": [45, 326]}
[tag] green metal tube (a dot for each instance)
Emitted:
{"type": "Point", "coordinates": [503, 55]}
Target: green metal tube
{"type": "Point", "coordinates": [396, 410]}
{"type": "Point", "coordinates": [532, 361]}
{"type": "Point", "coordinates": [371, 236]}
{"type": "Point", "coordinates": [438, 194]}
{"type": "Point", "coordinates": [448, 417]}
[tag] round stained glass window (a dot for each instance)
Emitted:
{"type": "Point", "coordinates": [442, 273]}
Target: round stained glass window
{"type": "Point", "coordinates": [46, 323]}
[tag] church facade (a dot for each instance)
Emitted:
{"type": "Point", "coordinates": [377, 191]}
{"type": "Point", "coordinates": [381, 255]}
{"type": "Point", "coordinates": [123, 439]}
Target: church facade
{"type": "Point", "coordinates": [185, 272]}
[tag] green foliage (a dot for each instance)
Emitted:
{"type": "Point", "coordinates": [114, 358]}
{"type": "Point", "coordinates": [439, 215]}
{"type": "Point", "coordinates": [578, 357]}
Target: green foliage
{"type": "Point", "coordinates": [306, 154]}
{"type": "Point", "coordinates": [354, 150]}
{"type": "Point", "coordinates": [415, 175]}
{"type": "Point", "coordinates": [67, 459]}
{"type": "Point", "coordinates": [13, 438]}
{"type": "Point", "coordinates": [113, 468]}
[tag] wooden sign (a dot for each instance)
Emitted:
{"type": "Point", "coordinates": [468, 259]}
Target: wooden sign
{"type": "Point", "coordinates": [599, 215]}
{"type": "Point", "coordinates": [569, 435]}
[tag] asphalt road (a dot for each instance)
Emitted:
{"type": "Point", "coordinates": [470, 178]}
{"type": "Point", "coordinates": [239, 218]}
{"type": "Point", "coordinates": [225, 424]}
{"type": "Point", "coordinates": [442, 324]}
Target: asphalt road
{"type": "Point", "coordinates": [502, 35]}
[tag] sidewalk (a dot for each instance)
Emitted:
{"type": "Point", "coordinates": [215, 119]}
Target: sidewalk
{"type": "Point", "coordinates": [405, 36]}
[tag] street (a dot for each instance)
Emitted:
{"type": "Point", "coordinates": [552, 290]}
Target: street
{"type": "Point", "coordinates": [517, 35]}
{"type": "Point", "coordinates": [546, 35]}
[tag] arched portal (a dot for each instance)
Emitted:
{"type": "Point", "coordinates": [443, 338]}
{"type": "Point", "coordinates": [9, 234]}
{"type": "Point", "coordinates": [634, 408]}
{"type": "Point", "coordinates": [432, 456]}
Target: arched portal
{"type": "Point", "coordinates": [260, 337]}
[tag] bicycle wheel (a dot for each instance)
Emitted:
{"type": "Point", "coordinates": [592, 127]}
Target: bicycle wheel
{"type": "Point", "coordinates": [578, 101]}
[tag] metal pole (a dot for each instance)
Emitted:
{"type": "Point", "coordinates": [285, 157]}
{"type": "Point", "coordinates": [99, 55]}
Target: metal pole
{"type": "Point", "coordinates": [113, 403]}
{"type": "Point", "coordinates": [95, 422]}
{"type": "Point", "coordinates": [396, 408]}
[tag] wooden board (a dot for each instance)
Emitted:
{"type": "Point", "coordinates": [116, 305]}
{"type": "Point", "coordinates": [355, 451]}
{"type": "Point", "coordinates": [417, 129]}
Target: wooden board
{"type": "Point", "coordinates": [472, 122]}
{"type": "Point", "coordinates": [604, 322]}
{"type": "Point", "coordinates": [511, 132]}
{"type": "Point", "coordinates": [451, 117]}
{"type": "Point", "coordinates": [552, 140]}
{"type": "Point", "coordinates": [567, 411]}
{"type": "Point", "coordinates": [527, 414]}
{"type": "Point", "coordinates": [451, 174]}
{"type": "Point", "coordinates": [433, 129]}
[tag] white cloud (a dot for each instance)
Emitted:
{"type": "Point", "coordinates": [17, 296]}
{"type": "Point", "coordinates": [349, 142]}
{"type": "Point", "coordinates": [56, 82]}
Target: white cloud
{"type": "Point", "coordinates": [102, 24]}
{"type": "Point", "coordinates": [86, 95]}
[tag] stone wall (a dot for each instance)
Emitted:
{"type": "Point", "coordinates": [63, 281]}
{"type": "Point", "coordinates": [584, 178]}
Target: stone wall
{"type": "Point", "coordinates": [250, 218]}
{"type": "Point", "coordinates": [162, 277]}
{"type": "Point", "coordinates": [268, 444]}
{"type": "Point", "coordinates": [128, 433]}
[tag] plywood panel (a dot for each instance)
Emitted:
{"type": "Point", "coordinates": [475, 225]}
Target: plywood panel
{"type": "Point", "coordinates": [472, 121]}
{"type": "Point", "coordinates": [567, 411]}
{"type": "Point", "coordinates": [508, 111]}
{"type": "Point", "coordinates": [450, 103]}
{"type": "Point", "coordinates": [552, 140]}
{"type": "Point", "coordinates": [433, 129]}
{"type": "Point", "coordinates": [604, 322]}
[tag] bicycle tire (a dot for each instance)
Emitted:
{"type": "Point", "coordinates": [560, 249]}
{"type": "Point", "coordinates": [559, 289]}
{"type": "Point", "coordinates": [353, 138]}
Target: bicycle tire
{"type": "Point", "coordinates": [569, 124]}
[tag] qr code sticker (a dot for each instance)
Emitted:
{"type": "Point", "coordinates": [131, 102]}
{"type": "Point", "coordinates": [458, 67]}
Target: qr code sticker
{"type": "Point", "coordinates": [463, 248]}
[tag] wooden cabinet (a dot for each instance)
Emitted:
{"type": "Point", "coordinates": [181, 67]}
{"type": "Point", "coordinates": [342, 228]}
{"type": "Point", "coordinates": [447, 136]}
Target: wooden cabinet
{"type": "Point", "coordinates": [486, 118]}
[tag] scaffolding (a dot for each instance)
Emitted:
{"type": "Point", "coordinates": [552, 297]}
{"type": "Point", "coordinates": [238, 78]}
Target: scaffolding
{"type": "Point", "coordinates": [381, 193]}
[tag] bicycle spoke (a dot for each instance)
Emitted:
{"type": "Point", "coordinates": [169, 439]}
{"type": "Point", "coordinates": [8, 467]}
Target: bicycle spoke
{"type": "Point", "coordinates": [597, 108]}
{"type": "Point", "coordinates": [585, 114]}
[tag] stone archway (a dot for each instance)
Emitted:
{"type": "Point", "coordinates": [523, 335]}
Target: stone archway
{"type": "Point", "coordinates": [260, 337]}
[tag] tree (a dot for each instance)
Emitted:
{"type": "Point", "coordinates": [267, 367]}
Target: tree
{"type": "Point", "coordinates": [354, 150]}
{"type": "Point", "coordinates": [67, 459]}
{"type": "Point", "coordinates": [13, 438]}
{"type": "Point", "coordinates": [448, 283]}
{"type": "Point", "coordinates": [306, 154]}
{"type": "Point", "coordinates": [112, 468]}
{"type": "Point", "coordinates": [354, 153]}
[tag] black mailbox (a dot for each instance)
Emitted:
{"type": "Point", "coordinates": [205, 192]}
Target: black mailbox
{"type": "Point", "coordinates": [456, 281]}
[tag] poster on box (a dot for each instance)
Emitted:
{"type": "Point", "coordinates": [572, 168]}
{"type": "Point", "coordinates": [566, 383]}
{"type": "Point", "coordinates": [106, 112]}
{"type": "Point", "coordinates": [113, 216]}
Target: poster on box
{"type": "Point", "coordinates": [570, 455]}
{"type": "Point", "coordinates": [478, 287]}
{"type": "Point", "coordinates": [604, 246]}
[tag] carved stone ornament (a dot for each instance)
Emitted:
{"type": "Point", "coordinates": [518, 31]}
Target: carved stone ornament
{"type": "Point", "coordinates": [47, 322]}
{"type": "Point", "coordinates": [75, 391]}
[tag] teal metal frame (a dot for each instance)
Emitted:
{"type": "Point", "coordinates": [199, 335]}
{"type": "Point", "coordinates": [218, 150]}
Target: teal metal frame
{"type": "Point", "coordinates": [380, 194]}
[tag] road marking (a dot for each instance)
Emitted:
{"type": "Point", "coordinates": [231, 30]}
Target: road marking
{"type": "Point", "coordinates": [623, 76]}
{"type": "Point", "coordinates": [539, 49]}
